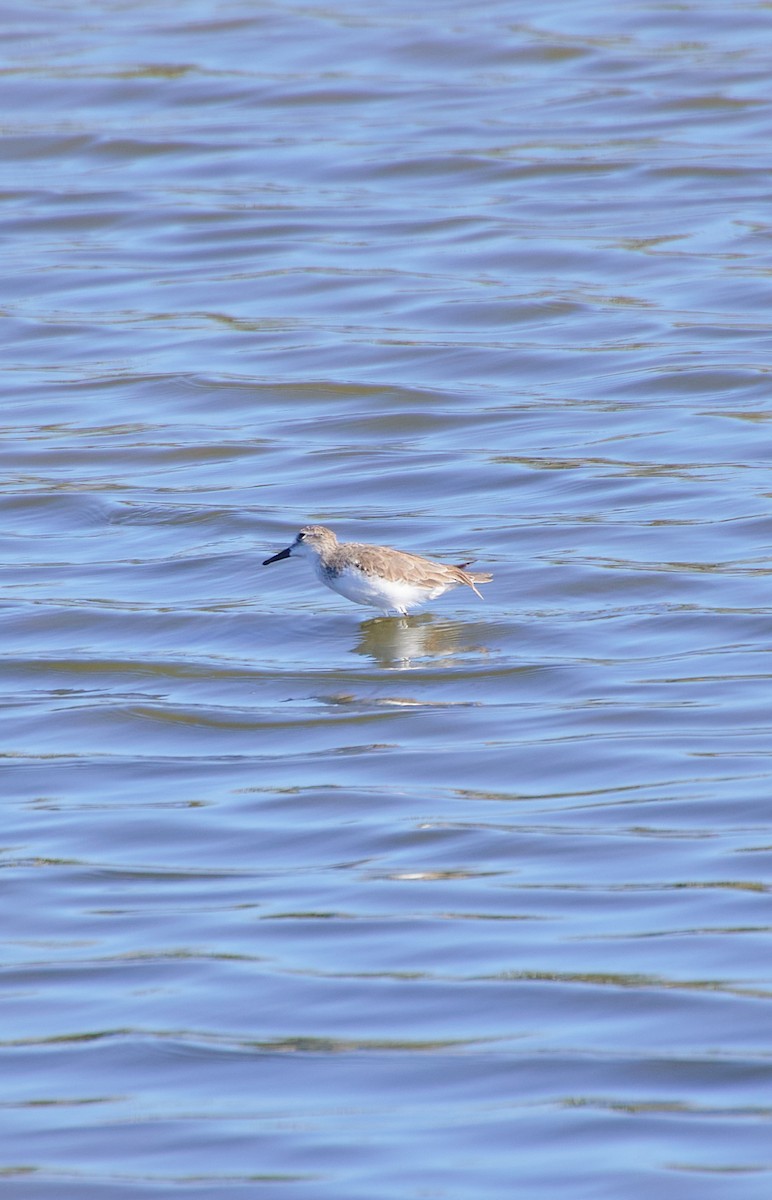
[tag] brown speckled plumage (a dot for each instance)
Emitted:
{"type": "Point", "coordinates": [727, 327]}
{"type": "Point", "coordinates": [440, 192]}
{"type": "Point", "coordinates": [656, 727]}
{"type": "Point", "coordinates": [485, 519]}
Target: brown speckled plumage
{"type": "Point", "coordinates": [393, 580]}
{"type": "Point", "coordinates": [387, 563]}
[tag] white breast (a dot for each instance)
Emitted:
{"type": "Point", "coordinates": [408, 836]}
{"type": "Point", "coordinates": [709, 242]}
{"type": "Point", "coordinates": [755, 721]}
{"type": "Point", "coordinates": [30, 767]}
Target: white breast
{"type": "Point", "coordinates": [390, 596]}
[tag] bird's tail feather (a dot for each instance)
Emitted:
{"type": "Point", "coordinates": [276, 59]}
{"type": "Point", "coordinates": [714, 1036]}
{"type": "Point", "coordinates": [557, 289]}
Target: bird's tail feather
{"type": "Point", "coordinates": [473, 577]}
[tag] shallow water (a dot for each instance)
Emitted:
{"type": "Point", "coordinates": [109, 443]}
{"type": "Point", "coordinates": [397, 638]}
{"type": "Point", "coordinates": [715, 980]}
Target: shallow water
{"type": "Point", "coordinates": [305, 902]}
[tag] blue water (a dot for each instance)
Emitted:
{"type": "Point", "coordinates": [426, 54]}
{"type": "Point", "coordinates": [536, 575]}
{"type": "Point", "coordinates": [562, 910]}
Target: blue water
{"type": "Point", "coordinates": [303, 902]}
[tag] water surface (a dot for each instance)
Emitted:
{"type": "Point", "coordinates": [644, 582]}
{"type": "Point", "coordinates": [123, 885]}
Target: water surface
{"type": "Point", "coordinates": [299, 901]}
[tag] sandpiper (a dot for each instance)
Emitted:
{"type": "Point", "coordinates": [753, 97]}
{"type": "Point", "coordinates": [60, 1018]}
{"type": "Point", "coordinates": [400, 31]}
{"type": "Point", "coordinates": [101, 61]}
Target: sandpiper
{"type": "Point", "coordinates": [391, 580]}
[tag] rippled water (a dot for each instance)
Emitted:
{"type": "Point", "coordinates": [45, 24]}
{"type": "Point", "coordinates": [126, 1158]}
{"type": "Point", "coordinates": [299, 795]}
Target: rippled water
{"type": "Point", "coordinates": [300, 901]}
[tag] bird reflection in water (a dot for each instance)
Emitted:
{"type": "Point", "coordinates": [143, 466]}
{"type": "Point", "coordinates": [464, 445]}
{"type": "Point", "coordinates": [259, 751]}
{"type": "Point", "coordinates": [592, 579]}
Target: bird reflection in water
{"type": "Point", "coordinates": [404, 643]}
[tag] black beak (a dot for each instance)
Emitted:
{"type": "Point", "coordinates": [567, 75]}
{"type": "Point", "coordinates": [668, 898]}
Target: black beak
{"type": "Point", "coordinates": [276, 557]}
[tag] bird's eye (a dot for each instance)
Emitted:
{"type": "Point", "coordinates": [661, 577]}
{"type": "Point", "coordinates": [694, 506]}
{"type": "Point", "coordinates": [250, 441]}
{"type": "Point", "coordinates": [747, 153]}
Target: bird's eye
{"type": "Point", "coordinates": [301, 536]}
